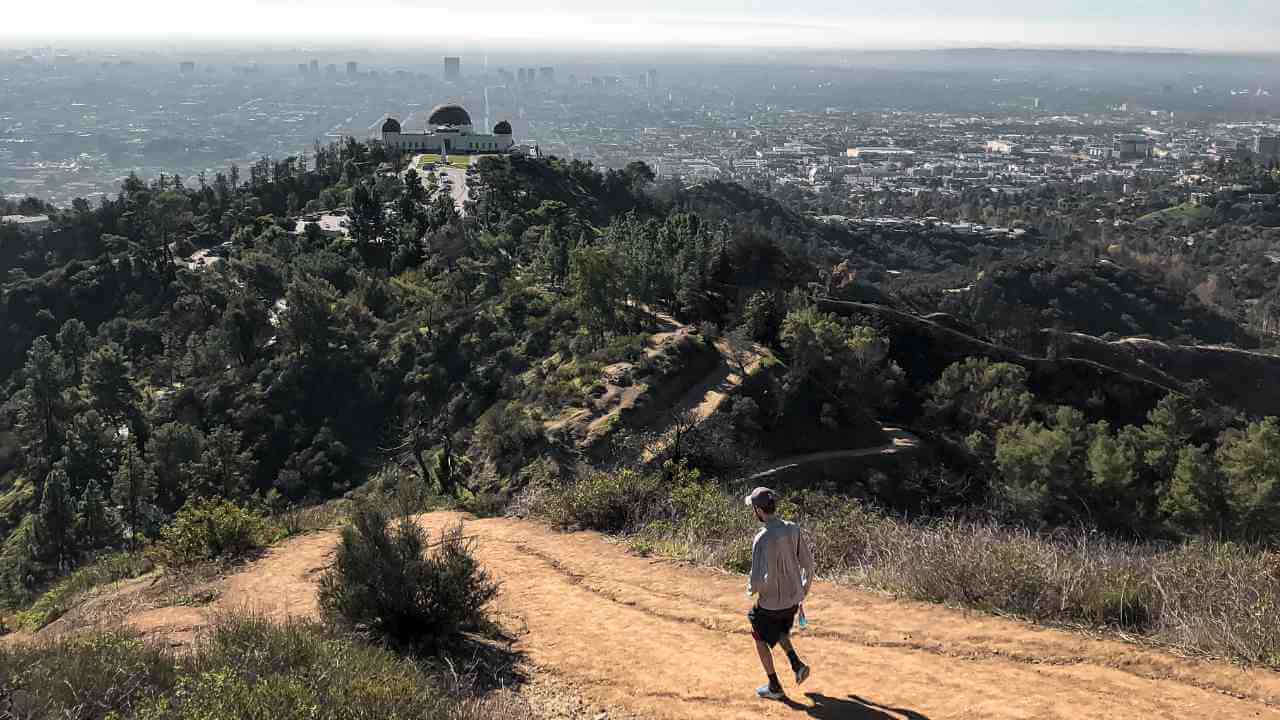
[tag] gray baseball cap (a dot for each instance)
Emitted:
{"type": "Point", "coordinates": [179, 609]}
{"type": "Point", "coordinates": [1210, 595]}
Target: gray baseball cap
{"type": "Point", "coordinates": [762, 496]}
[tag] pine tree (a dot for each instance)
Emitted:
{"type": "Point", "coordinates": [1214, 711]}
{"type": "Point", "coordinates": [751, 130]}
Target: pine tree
{"type": "Point", "coordinates": [73, 345]}
{"type": "Point", "coordinates": [106, 378]}
{"type": "Point", "coordinates": [94, 527]}
{"type": "Point", "coordinates": [134, 485]}
{"type": "Point", "coordinates": [41, 400]}
{"type": "Point", "coordinates": [55, 519]}
{"type": "Point", "coordinates": [224, 469]}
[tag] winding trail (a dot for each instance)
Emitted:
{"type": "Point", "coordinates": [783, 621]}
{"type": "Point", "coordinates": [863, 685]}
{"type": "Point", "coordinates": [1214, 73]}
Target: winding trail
{"type": "Point", "coordinates": [656, 639]}
{"type": "Point", "coordinates": [900, 442]}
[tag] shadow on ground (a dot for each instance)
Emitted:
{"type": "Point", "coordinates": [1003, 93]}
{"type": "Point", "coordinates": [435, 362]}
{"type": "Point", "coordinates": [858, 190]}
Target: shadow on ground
{"type": "Point", "coordinates": [851, 708]}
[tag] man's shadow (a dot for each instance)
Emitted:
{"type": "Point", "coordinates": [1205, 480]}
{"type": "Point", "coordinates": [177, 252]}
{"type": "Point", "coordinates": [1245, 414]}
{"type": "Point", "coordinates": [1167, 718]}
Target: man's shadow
{"type": "Point", "coordinates": [853, 708]}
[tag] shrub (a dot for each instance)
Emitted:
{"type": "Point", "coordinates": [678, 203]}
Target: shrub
{"type": "Point", "coordinates": [605, 501]}
{"type": "Point", "coordinates": [247, 667]}
{"type": "Point", "coordinates": [60, 598]}
{"type": "Point", "coordinates": [80, 677]}
{"type": "Point", "coordinates": [213, 528]}
{"type": "Point", "coordinates": [384, 580]}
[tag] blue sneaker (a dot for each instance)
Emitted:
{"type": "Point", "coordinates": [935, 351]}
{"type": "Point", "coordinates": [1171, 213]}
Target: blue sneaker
{"type": "Point", "coordinates": [764, 692]}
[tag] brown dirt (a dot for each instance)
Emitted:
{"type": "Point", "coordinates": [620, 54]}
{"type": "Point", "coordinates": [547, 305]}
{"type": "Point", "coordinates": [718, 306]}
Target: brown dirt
{"type": "Point", "coordinates": [656, 639]}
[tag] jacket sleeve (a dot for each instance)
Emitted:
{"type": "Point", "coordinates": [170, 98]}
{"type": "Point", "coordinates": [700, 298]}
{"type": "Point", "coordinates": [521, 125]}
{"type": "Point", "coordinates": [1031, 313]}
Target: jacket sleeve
{"type": "Point", "coordinates": [759, 565]}
{"type": "Point", "coordinates": [806, 561]}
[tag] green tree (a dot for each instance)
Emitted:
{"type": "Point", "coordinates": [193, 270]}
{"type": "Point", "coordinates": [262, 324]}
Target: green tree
{"type": "Point", "coordinates": [978, 394]}
{"type": "Point", "coordinates": [308, 321]}
{"type": "Point", "coordinates": [173, 450]}
{"type": "Point", "coordinates": [107, 380]}
{"type": "Point", "coordinates": [1169, 429]}
{"type": "Point", "coordinates": [367, 220]}
{"type": "Point", "coordinates": [1250, 462]}
{"type": "Point", "coordinates": [741, 348]}
{"type": "Point", "coordinates": [598, 289]}
{"type": "Point", "coordinates": [244, 320]}
{"type": "Point", "coordinates": [73, 345]}
{"type": "Point", "coordinates": [1039, 466]}
{"type": "Point", "coordinates": [224, 469]}
{"type": "Point", "coordinates": [90, 448]}
{"type": "Point", "coordinates": [133, 486]}
{"type": "Point", "coordinates": [94, 526]}
{"type": "Point", "coordinates": [837, 359]}
{"type": "Point", "coordinates": [41, 400]}
{"type": "Point", "coordinates": [55, 519]}
{"type": "Point", "coordinates": [554, 253]}
{"type": "Point", "coordinates": [1197, 497]}
{"type": "Point", "coordinates": [761, 317]}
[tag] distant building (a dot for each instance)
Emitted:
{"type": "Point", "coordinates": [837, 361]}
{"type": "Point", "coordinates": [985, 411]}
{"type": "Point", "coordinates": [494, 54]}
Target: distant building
{"type": "Point", "coordinates": [352, 67]}
{"type": "Point", "coordinates": [453, 69]}
{"type": "Point", "coordinates": [653, 78]}
{"type": "Point", "coordinates": [313, 67]}
{"type": "Point", "coordinates": [1001, 147]}
{"type": "Point", "coordinates": [547, 75]}
{"type": "Point", "coordinates": [27, 223]}
{"type": "Point", "coordinates": [1132, 147]}
{"type": "Point", "coordinates": [879, 153]}
{"type": "Point", "coordinates": [186, 67]}
{"type": "Point", "coordinates": [330, 225]}
{"type": "Point", "coordinates": [449, 130]}
{"type": "Point", "coordinates": [1267, 148]}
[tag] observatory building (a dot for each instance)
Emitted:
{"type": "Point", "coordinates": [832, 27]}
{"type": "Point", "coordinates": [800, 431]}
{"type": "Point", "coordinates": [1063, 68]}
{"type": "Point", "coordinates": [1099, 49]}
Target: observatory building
{"type": "Point", "coordinates": [449, 130]}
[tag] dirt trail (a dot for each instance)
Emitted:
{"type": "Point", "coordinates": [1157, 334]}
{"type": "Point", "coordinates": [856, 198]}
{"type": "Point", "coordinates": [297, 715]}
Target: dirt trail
{"type": "Point", "coordinates": [900, 442]}
{"type": "Point", "coordinates": [657, 639]}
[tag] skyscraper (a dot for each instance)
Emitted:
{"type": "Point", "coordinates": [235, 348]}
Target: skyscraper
{"type": "Point", "coordinates": [1267, 148]}
{"type": "Point", "coordinates": [352, 67]}
{"type": "Point", "coordinates": [453, 68]}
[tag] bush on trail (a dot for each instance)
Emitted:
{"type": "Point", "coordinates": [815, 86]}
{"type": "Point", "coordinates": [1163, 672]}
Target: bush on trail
{"type": "Point", "coordinates": [388, 581]}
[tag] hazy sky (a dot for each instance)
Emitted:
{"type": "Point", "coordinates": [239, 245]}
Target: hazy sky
{"type": "Point", "coordinates": [1242, 25]}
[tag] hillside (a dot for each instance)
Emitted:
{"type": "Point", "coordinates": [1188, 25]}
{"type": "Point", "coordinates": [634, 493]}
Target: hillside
{"type": "Point", "coordinates": [599, 351]}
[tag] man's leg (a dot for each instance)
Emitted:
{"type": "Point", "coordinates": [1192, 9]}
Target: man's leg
{"type": "Point", "coordinates": [766, 661]}
{"type": "Point", "coordinates": [799, 668]}
{"type": "Point", "coordinates": [766, 657]}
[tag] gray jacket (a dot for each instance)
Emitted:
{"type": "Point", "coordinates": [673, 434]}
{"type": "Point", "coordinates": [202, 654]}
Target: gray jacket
{"type": "Point", "coordinates": [781, 566]}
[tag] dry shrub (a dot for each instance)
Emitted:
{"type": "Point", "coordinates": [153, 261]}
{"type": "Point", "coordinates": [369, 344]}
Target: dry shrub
{"type": "Point", "coordinates": [246, 667]}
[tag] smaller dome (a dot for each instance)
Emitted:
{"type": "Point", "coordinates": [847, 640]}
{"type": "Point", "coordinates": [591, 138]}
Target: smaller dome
{"type": "Point", "coordinates": [392, 125]}
{"type": "Point", "coordinates": [502, 128]}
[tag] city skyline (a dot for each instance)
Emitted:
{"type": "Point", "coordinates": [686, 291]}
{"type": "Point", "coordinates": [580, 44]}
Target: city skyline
{"type": "Point", "coordinates": [816, 24]}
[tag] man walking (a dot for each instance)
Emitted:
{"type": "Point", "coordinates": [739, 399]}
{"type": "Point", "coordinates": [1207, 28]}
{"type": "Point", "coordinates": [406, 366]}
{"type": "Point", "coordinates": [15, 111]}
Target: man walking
{"type": "Point", "coordinates": [781, 574]}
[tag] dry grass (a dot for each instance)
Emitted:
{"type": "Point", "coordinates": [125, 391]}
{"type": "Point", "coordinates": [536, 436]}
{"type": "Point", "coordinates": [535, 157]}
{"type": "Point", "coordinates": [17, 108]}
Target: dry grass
{"type": "Point", "coordinates": [246, 667]}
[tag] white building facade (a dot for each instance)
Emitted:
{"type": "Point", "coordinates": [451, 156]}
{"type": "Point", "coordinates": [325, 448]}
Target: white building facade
{"type": "Point", "coordinates": [449, 130]}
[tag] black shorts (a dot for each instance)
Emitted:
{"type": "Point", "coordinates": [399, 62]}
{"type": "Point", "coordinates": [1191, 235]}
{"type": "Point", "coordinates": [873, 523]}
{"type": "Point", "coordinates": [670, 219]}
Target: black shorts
{"type": "Point", "coordinates": [768, 626]}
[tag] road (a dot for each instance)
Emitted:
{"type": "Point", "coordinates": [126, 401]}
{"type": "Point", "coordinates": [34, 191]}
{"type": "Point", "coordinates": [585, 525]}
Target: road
{"type": "Point", "coordinates": [458, 189]}
{"type": "Point", "coordinates": [653, 639]}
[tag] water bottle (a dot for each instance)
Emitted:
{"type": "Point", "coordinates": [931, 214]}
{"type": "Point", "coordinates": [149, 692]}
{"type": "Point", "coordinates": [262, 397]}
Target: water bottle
{"type": "Point", "coordinates": [804, 623]}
